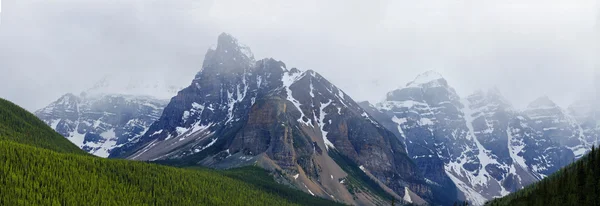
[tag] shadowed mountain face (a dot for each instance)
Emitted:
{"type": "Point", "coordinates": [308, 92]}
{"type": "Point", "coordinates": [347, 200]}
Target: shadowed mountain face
{"type": "Point", "coordinates": [479, 146]}
{"type": "Point", "coordinates": [238, 111]}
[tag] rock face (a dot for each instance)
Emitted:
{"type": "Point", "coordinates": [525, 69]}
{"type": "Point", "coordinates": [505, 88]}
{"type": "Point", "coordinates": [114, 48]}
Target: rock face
{"type": "Point", "coordinates": [238, 111]}
{"type": "Point", "coordinates": [99, 123]}
{"type": "Point", "coordinates": [587, 114]}
{"type": "Point", "coordinates": [479, 147]}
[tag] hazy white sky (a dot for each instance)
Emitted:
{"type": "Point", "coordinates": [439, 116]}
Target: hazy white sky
{"type": "Point", "coordinates": [526, 48]}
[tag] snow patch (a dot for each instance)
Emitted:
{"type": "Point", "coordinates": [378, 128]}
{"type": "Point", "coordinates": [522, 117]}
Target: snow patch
{"type": "Point", "coordinates": [389, 105]}
{"type": "Point", "coordinates": [157, 132]}
{"type": "Point", "coordinates": [321, 123]}
{"type": "Point", "coordinates": [470, 194]}
{"type": "Point", "coordinates": [102, 149]}
{"type": "Point", "coordinates": [54, 123]}
{"type": "Point", "coordinates": [407, 195]}
{"type": "Point", "coordinates": [425, 121]}
{"type": "Point", "coordinates": [288, 79]}
{"type": "Point", "coordinates": [77, 138]}
{"type": "Point", "coordinates": [483, 156]}
{"type": "Point", "coordinates": [185, 116]}
{"type": "Point", "coordinates": [211, 143]}
{"type": "Point", "coordinates": [313, 194]}
{"type": "Point", "coordinates": [515, 146]}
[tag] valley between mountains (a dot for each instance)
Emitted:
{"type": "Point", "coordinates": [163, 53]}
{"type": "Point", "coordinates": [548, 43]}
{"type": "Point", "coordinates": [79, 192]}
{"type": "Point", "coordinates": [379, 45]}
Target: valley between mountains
{"type": "Point", "coordinates": [424, 144]}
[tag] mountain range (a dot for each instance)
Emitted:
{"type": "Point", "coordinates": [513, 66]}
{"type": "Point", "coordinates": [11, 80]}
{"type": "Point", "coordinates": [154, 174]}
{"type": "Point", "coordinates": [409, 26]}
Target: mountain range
{"type": "Point", "coordinates": [117, 109]}
{"type": "Point", "coordinates": [423, 144]}
{"type": "Point", "coordinates": [481, 146]}
{"type": "Point", "coordinates": [41, 167]}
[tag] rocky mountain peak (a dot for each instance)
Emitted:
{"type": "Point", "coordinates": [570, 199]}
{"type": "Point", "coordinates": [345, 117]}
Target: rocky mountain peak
{"type": "Point", "coordinates": [239, 112]}
{"type": "Point", "coordinates": [229, 57]}
{"type": "Point", "coordinates": [230, 45]}
{"type": "Point", "coordinates": [428, 79]}
{"type": "Point", "coordinates": [67, 103]}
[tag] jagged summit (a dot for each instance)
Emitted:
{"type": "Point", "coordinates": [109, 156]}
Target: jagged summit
{"type": "Point", "coordinates": [239, 112]}
{"type": "Point", "coordinates": [427, 78]}
{"type": "Point", "coordinates": [230, 45]}
{"type": "Point", "coordinates": [228, 57]}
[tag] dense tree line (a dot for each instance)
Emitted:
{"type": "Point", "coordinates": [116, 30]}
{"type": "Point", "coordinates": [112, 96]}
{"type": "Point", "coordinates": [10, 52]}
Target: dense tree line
{"type": "Point", "coordinates": [576, 184]}
{"type": "Point", "coordinates": [35, 176]}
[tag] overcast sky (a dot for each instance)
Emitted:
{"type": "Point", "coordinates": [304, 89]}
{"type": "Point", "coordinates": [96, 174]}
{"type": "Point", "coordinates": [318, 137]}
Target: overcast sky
{"type": "Point", "coordinates": [526, 48]}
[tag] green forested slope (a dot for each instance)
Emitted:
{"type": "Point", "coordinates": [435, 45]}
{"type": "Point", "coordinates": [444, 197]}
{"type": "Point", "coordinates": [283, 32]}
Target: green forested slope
{"type": "Point", "coordinates": [40, 167]}
{"type": "Point", "coordinates": [35, 176]}
{"type": "Point", "coordinates": [576, 184]}
{"type": "Point", "coordinates": [19, 125]}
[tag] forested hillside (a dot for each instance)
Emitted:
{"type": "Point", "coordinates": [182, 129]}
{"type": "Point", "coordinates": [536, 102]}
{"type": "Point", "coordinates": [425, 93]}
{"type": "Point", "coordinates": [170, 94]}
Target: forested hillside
{"type": "Point", "coordinates": [17, 124]}
{"type": "Point", "coordinates": [40, 167]}
{"type": "Point", "coordinates": [576, 184]}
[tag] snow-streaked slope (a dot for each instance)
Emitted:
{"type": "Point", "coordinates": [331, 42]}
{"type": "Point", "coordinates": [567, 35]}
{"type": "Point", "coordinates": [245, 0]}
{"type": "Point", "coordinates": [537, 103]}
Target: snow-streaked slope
{"type": "Point", "coordinates": [479, 143]}
{"type": "Point", "coordinates": [558, 125]}
{"type": "Point", "coordinates": [99, 123]}
{"type": "Point", "coordinates": [238, 111]}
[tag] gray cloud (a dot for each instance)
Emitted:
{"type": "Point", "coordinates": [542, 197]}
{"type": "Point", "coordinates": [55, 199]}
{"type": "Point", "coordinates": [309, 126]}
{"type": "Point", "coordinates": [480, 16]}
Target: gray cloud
{"type": "Point", "coordinates": [526, 48]}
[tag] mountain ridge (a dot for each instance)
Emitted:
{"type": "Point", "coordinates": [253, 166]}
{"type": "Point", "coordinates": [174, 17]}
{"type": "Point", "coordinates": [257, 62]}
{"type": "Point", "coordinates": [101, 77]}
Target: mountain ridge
{"type": "Point", "coordinates": [498, 145]}
{"type": "Point", "coordinates": [98, 123]}
{"type": "Point", "coordinates": [238, 111]}
{"type": "Point", "coordinates": [40, 167]}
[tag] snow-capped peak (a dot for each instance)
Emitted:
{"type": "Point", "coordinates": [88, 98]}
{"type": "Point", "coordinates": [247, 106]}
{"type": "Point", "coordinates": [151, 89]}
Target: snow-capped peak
{"type": "Point", "coordinates": [425, 78]}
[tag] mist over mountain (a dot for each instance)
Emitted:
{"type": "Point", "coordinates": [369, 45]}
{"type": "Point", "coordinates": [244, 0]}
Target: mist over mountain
{"type": "Point", "coordinates": [355, 102]}
{"type": "Point", "coordinates": [480, 147]}
{"type": "Point", "coordinates": [523, 48]}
